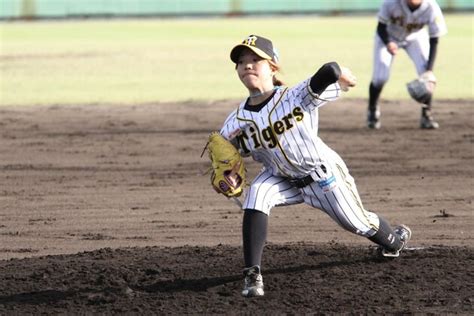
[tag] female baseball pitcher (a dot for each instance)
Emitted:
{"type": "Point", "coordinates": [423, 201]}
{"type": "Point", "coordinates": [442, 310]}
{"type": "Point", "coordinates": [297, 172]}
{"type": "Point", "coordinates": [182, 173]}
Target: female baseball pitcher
{"type": "Point", "coordinates": [278, 126]}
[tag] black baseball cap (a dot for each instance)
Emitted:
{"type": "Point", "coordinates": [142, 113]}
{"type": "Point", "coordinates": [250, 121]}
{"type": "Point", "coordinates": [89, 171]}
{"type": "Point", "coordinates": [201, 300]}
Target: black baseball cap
{"type": "Point", "coordinates": [261, 46]}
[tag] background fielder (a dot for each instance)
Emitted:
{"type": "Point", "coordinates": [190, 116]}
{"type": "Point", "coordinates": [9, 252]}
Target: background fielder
{"type": "Point", "coordinates": [278, 127]}
{"type": "Point", "coordinates": [401, 25]}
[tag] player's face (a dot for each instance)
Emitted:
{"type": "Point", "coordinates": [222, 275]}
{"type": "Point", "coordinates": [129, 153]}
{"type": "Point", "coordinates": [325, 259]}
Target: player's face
{"type": "Point", "coordinates": [254, 71]}
{"type": "Point", "coordinates": [414, 3]}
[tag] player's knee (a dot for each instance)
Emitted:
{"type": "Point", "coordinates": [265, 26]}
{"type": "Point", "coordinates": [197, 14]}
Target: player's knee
{"type": "Point", "coordinates": [252, 211]}
{"type": "Point", "coordinates": [361, 229]}
{"type": "Point", "coordinates": [378, 83]}
{"type": "Point", "coordinates": [355, 230]}
{"type": "Point", "coordinates": [250, 207]}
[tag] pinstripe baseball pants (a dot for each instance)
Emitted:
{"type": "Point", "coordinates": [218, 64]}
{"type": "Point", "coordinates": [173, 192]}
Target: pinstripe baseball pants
{"type": "Point", "coordinates": [342, 202]}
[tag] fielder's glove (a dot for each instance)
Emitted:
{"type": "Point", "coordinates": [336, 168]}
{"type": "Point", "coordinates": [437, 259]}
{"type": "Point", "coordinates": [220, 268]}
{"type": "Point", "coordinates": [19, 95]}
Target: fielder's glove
{"type": "Point", "coordinates": [227, 166]}
{"type": "Point", "coordinates": [421, 89]}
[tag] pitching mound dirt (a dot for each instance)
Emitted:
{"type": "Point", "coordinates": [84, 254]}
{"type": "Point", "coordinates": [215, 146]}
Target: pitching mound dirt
{"type": "Point", "coordinates": [104, 209]}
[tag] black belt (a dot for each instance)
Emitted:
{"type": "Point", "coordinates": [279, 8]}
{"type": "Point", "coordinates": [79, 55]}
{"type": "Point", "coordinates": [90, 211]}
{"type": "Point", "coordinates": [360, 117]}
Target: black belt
{"type": "Point", "coordinates": [301, 182]}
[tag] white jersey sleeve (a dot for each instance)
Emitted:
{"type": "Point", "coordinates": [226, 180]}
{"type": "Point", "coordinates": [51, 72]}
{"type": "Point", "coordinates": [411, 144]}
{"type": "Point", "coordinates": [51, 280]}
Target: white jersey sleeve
{"type": "Point", "coordinates": [384, 12]}
{"type": "Point", "coordinates": [437, 25]}
{"type": "Point", "coordinates": [310, 100]}
{"type": "Point", "coordinates": [230, 127]}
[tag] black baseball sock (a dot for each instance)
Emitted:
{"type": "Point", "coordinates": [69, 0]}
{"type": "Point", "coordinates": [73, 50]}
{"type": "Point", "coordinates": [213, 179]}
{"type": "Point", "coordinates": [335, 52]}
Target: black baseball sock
{"type": "Point", "coordinates": [254, 233]}
{"type": "Point", "coordinates": [374, 94]}
{"type": "Point", "coordinates": [385, 237]}
{"type": "Point", "coordinates": [426, 108]}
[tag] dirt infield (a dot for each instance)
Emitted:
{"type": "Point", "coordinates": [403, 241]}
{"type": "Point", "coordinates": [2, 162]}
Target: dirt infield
{"type": "Point", "coordinates": [104, 209]}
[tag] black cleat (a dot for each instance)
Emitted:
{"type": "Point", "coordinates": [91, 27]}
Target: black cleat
{"type": "Point", "coordinates": [373, 119]}
{"type": "Point", "coordinates": [404, 232]}
{"type": "Point", "coordinates": [427, 122]}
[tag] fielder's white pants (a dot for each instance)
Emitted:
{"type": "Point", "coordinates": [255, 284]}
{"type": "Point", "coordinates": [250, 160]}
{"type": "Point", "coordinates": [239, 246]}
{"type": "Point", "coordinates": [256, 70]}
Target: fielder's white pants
{"type": "Point", "coordinates": [417, 48]}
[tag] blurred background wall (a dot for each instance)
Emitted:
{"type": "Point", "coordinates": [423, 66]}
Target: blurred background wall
{"type": "Point", "coordinates": [39, 9]}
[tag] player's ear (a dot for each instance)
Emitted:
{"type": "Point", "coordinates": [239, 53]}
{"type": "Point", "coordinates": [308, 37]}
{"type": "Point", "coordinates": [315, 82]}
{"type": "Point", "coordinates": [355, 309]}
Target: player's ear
{"type": "Point", "coordinates": [273, 68]}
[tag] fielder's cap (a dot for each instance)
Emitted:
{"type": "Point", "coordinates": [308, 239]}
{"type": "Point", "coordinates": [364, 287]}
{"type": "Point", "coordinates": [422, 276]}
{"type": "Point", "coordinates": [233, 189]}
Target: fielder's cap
{"type": "Point", "coordinates": [261, 46]}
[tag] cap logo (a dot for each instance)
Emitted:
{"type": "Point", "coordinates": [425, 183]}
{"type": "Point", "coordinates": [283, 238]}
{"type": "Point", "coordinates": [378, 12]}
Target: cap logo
{"type": "Point", "coordinates": [250, 41]}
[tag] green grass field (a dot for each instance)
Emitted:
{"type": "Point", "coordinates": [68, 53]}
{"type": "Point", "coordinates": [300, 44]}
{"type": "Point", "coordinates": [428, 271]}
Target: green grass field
{"type": "Point", "coordinates": [137, 61]}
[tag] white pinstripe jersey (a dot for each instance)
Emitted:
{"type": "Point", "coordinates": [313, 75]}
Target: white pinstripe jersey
{"type": "Point", "coordinates": [402, 22]}
{"type": "Point", "coordinates": [283, 135]}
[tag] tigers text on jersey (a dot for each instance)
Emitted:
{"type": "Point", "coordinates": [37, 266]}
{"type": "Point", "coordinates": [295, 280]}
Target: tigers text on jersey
{"type": "Point", "coordinates": [283, 135]}
{"type": "Point", "coordinates": [401, 21]}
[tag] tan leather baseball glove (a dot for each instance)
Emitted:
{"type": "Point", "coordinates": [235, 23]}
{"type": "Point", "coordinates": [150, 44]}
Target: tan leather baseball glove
{"type": "Point", "coordinates": [227, 166]}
